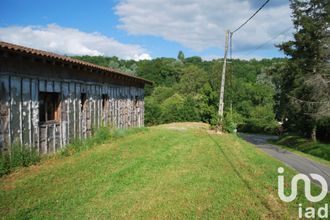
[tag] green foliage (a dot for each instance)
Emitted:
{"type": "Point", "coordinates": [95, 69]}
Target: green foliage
{"type": "Point", "coordinates": [261, 119]}
{"type": "Point", "coordinates": [129, 67]}
{"type": "Point", "coordinates": [161, 93]}
{"type": "Point", "coordinates": [232, 121]}
{"type": "Point", "coordinates": [208, 104]}
{"type": "Point", "coordinates": [100, 136]}
{"type": "Point", "coordinates": [4, 164]}
{"type": "Point", "coordinates": [190, 110]}
{"type": "Point", "coordinates": [304, 95]}
{"type": "Point", "coordinates": [181, 56]}
{"type": "Point", "coordinates": [20, 156]}
{"type": "Point", "coordinates": [162, 71]}
{"type": "Point", "coordinates": [192, 80]}
{"type": "Point", "coordinates": [304, 145]}
{"type": "Point", "coordinates": [172, 109]}
{"type": "Point", "coordinates": [187, 89]}
{"type": "Point", "coordinates": [152, 112]}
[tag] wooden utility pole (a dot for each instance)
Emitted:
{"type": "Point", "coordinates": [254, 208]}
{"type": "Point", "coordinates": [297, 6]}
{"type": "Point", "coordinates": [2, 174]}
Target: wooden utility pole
{"type": "Point", "coordinates": [222, 88]}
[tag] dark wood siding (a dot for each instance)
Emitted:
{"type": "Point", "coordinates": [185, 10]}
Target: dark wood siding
{"type": "Point", "coordinates": [19, 110]}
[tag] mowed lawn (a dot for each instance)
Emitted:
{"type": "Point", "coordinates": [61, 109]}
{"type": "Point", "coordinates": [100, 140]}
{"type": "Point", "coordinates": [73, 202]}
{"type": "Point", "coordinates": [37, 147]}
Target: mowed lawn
{"type": "Point", "coordinates": [173, 171]}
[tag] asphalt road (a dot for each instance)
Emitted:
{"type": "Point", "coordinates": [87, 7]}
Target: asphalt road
{"type": "Point", "coordinates": [297, 162]}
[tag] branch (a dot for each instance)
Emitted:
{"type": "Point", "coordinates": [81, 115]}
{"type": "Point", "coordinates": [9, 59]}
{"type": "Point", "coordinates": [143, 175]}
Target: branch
{"type": "Point", "coordinates": [310, 102]}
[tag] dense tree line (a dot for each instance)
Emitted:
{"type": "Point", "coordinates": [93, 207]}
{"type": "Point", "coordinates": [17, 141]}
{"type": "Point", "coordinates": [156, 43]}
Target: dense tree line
{"type": "Point", "coordinates": [187, 89]}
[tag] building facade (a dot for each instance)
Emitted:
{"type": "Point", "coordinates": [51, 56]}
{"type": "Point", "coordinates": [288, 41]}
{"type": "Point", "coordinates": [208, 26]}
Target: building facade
{"type": "Point", "coordinates": [48, 100]}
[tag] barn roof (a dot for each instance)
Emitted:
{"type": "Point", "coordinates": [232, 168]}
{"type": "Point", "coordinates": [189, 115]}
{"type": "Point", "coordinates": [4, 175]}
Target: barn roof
{"type": "Point", "coordinates": [64, 59]}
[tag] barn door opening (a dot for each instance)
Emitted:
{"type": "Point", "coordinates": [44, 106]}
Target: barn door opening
{"type": "Point", "coordinates": [4, 119]}
{"type": "Point", "coordinates": [105, 108]}
{"type": "Point", "coordinates": [83, 98]}
{"type": "Point", "coordinates": [84, 114]}
{"type": "Point", "coordinates": [49, 121]}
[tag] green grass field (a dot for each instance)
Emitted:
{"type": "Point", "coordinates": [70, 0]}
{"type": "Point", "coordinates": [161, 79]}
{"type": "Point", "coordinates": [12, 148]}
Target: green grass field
{"type": "Point", "coordinates": [178, 171]}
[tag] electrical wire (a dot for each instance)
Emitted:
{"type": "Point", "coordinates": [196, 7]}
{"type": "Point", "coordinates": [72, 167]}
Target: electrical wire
{"type": "Point", "coordinates": [263, 5]}
{"type": "Point", "coordinates": [268, 41]}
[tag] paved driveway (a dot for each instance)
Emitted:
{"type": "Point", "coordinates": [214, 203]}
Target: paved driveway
{"type": "Point", "coordinates": [297, 162]}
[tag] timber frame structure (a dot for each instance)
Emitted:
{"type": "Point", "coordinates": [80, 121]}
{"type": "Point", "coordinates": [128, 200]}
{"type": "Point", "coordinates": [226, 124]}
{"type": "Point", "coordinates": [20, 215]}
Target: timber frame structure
{"type": "Point", "coordinates": [48, 100]}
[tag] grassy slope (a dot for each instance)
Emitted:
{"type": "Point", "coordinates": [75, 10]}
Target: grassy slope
{"type": "Point", "coordinates": [161, 172]}
{"type": "Point", "coordinates": [314, 150]}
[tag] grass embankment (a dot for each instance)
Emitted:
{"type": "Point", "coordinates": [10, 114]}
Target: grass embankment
{"type": "Point", "coordinates": [162, 172]}
{"type": "Point", "coordinates": [23, 157]}
{"type": "Point", "coordinates": [306, 146]}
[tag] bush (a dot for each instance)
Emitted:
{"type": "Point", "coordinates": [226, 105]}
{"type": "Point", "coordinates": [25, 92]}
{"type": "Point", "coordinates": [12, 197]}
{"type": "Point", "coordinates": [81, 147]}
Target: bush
{"type": "Point", "coordinates": [232, 121]}
{"type": "Point", "coordinates": [4, 164]}
{"type": "Point", "coordinates": [101, 136]}
{"type": "Point", "coordinates": [307, 146]}
{"type": "Point", "coordinates": [190, 110]}
{"type": "Point", "coordinates": [152, 111]}
{"type": "Point", "coordinates": [172, 109]}
{"type": "Point", "coordinates": [20, 156]}
{"type": "Point", "coordinates": [261, 120]}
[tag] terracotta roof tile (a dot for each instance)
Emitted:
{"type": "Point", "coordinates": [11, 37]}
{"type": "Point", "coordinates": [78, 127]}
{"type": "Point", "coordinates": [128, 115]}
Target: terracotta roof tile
{"type": "Point", "coordinates": [54, 56]}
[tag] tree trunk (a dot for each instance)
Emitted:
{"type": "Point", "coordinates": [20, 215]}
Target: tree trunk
{"type": "Point", "coordinates": [313, 134]}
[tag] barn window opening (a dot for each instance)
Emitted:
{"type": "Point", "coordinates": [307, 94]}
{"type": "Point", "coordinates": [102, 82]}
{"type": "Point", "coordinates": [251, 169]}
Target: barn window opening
{"type": "Point", "coordinates": [136, 98]}
{"type": "Point", "coordinates": [83, 100]}
{"type": "Point", "coordinates": [49, 107]}
{"type": "Point", "coordinates": [105, 101]}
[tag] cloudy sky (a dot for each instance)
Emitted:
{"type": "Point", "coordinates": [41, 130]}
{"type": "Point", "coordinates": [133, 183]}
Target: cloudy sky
{"type": "Point", "coordinates": [145, 29]}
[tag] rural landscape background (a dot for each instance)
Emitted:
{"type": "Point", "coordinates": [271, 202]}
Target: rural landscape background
{"type": "Point", "coordinates": [178, 166]}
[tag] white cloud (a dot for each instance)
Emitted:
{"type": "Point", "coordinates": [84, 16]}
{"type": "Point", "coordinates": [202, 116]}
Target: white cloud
{"type": "Point", "coordinates": [143, 56]}
{"type": "Point", "coordinates": [70, 41]}
{"type": "Point", "coordinates": [199, 25]}
{"type": "Point", "coordinates": [236, 56]}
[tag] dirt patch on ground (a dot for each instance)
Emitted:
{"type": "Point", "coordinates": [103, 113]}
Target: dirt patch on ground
{"type": "Point", "coordinates": [185, 125]}
{"type": "Point", "coordinates": [8, 181]}
{"type": "Point", "coordinates": [213, 131]}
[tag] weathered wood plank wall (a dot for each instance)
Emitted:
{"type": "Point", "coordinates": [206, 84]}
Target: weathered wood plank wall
{"type": "Point", "coordinates": [19, 111]}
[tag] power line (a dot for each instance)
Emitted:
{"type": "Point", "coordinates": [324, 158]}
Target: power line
{"type": "Point", "coordinates": [268, 41]}
{"type": "Point", "coordinates": [263, 5]}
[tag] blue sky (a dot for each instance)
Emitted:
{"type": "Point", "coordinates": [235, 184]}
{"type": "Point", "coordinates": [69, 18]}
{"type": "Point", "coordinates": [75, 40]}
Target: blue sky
{"type": "Point", "coordinates": [144, 29]}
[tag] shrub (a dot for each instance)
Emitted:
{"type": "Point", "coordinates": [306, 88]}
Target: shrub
{"type": "Point", "coordinates": [232, 120]}
{"type": "Point", "coordinates": [100, 136]}
{"type": "Point", "coordinates": [307, 146]}
{"type": "Point", "coordinates": [4, 164]}
{"type": "Point", "coordinates": [190, 111]}
{"type": "Point", "coordinates": [172, 109]}
{"type": "Point", "coordinates": [20, 156]}
{"type": "Point", "coordinates": [152, 111]}
{"type": "Point", "coordinates": [261, 120]}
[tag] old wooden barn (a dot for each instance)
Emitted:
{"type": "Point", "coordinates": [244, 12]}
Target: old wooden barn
{"type": "Point", "coordinates": [48, 100]}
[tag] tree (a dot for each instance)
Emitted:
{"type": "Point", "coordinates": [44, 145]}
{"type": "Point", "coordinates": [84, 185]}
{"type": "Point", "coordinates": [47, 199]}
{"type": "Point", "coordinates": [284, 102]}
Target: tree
{"type": "Point", "coordinates": [181, 56]}
{"type": "Point", "coordinates": [152, 111]}
{"type": "Point", "coordinates": [189, 90]}
{"type": "Point", "coordinates": [192, 80]}
{"type": "Point", "coordinates": [172, 109]}
{"type": "Point", "coordinates": [308, 86]}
